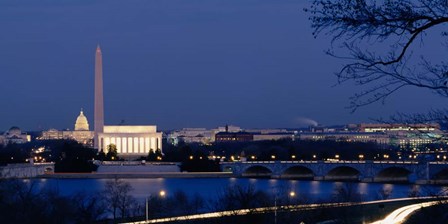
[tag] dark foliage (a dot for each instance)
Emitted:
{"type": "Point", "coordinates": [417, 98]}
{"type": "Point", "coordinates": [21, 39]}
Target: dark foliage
{"type": "Point", "coordinates": [112, 153]}
{"type": "Point", "coordinates": [22, 202]}
{"type": "Point", "coordinates": [73, 157]}
{"type": "Point", "coordinates": [14, 153]}
{"type": "Point", "coordinates": [239, 197]}
{"type": "Point", "coordinates": [154, 155]}
{"type": "Point", "coordinates": [117, 195]}
{"type": "Point", "coordinates": [200, 165]}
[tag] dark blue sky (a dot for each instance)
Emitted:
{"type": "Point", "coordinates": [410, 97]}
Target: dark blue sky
{"type": "Point", "coordinates": [174, 63]}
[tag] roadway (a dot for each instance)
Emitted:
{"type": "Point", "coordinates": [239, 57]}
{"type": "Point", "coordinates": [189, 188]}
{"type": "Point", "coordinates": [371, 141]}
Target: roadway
{"type": "Point", "coordinates": [396, 216]}
{"type": "Point", "coordinates": [400, 215]}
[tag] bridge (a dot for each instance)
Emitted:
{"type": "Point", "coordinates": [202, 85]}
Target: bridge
{"type": "Point", "coordinates": [25, 170]}
{"type": "Point", "coordinates": [364, 171]}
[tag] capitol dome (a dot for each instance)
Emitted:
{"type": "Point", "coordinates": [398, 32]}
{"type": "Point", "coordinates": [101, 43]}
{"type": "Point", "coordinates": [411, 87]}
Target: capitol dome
{"type": "Point", "coordinates": [81, 122]}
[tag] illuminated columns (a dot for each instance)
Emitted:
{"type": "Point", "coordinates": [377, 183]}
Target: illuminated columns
{"type": "Point", "coordinates": [119, 150]}
{"type": "Point", "coordinates": [147, 147]}
{"type": "Point", "coordinates": [130, 145]}
{"type": "Point", "coordinates": [106, 144]}
{"type": "Point", "coordinates": [124, 144]}
{"type": "Point", "coordinates": [141, 145]}
{"type": "Point", "coordinates": [131, 140]}
{"type": "Point", "coordinates": [153, 144]}
{"type": "Point", "coordinates": [135, 149]}
{"type": "Point", "coordinates": [159, 146]}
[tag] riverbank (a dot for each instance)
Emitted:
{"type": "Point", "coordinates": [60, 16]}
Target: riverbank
{"type": "Point", "coordinates": [122, 175]}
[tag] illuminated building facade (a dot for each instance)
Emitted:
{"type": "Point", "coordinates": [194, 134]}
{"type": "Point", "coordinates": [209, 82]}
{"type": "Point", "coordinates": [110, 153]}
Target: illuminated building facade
{"type": "Point", "coordinates": [80, 134]}
{"type": "Point", "coordinates": [397, 127]}
{"type": "Point", "coordinates": [405, 136]}
{"type": "Point", "coordinates": [130, 140]}
{"type": "Point", "coordinates": [191, 135]}
{"type": "Point", "coordinates": [14, 136]}
{"type": "Point", "coordinates": [208, 136]}
{"type": "Point", "coordinates": [378, 138]}
{"type": "Point", "coordinates": [234, 137]}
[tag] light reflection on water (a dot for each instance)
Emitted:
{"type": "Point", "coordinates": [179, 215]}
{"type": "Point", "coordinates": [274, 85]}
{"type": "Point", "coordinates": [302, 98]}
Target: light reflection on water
{"type": "Point", "coordinates": [209, 188]}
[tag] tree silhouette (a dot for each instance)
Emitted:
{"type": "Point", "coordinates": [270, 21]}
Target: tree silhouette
{"type": "Point", "coordinates": [112, 153]}
{"type": "Point", "coordinates": [117, 194]}
{"type": "Point", "coordinates": [380, 41]}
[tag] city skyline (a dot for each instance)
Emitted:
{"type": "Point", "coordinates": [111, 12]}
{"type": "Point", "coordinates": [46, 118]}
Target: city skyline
{"type": "Point", "coordinates": [176, 64]}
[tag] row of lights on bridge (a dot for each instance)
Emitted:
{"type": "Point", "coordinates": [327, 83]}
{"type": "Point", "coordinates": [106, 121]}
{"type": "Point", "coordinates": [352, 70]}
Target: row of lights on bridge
{"type": "Point", "coordinates": [294, 157]}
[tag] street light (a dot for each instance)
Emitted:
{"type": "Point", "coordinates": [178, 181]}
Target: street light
{"type": "Point", "coordinates": [162, 194]}
{"type": "Point", "coordinates": [292, 194]}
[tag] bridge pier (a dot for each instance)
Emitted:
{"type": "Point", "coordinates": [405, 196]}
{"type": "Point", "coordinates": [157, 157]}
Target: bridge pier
{"type": "Point", "coordinates": [319, 177]}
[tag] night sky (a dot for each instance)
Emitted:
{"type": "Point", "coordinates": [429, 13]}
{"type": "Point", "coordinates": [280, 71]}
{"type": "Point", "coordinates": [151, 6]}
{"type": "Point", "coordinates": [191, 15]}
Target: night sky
{"type": "Point", "coordinates": [175, 63]}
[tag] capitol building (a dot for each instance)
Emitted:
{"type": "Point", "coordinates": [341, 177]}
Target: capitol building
{"type": "Point", "coordinates": [81, 133]}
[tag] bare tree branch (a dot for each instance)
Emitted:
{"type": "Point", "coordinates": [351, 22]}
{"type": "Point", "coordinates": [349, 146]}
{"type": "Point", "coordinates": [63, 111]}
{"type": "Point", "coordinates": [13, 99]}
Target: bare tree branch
{"type": "Point", "coordinates": [395, 23]}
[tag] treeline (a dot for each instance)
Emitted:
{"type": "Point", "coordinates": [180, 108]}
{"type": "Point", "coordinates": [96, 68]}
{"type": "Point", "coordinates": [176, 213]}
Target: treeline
{"type": "Point", "coordinates": [199, 157]}
{"type": "Point", "coordinates": [68, 155]}
{"type": "Point", "coordinates": [23, 201]}
{"type": "Point", "coordinates": [281, 149]}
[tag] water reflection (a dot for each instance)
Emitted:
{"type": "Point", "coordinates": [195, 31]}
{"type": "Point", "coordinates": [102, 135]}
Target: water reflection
{"type": "Point", "coordinates": [210, 187]}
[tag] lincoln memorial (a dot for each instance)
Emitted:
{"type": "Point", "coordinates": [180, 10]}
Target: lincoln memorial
{"type": "Point", "coordinates": [130, 140]}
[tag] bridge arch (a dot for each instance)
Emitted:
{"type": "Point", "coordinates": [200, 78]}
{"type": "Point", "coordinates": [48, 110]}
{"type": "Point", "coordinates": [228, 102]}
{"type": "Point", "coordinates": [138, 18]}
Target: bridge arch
{"type": "Point", "coordinates": [393, 174]}
{"type": "Point", "coordinates": [257, 171]}
{"type": "Point", "coordinates": [343, 173]}
{"type": "Point", "coordinates": [297, 172]}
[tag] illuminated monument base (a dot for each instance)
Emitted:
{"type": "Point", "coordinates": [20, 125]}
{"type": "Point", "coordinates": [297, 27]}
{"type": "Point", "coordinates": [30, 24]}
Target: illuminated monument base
{"type": "Point", "coordinates": [130, 140]}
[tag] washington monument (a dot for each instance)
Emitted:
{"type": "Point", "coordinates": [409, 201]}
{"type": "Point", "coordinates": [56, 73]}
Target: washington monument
{"type": "Point", "coordinates": [99, 104]}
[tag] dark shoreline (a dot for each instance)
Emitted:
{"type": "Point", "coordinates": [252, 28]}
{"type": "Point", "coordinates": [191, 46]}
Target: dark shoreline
{"type": "Point", "coordinates": [122, 175]}
{"type": "Point", "coordinates": [138, 175]}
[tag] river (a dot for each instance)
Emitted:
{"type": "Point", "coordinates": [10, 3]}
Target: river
{"type": "Point", "coordinates": [209, 188]}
